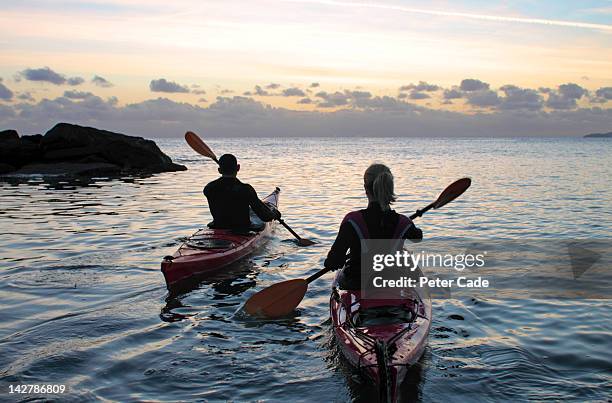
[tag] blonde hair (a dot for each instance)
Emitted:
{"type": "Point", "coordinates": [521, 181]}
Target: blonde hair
{"type": "Point", "coordinates": [378, 182]}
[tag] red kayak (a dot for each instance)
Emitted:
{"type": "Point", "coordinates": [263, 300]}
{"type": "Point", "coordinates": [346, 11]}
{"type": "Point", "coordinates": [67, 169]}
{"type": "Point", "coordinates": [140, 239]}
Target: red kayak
{"type": "Point", "coordinates": [381, 337]}
{"type": "Point", "coordinates": [211, 249]}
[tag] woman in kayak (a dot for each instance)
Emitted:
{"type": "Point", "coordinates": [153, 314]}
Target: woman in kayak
{"type": "Point", "coordinates": [377, 221]}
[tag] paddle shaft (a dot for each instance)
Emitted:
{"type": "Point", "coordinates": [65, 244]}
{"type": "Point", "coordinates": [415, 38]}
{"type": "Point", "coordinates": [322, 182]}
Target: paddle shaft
{"type": "Point", "coordinates": [289, 228]}
{"type": "Point", "coordinates": [419, 213]}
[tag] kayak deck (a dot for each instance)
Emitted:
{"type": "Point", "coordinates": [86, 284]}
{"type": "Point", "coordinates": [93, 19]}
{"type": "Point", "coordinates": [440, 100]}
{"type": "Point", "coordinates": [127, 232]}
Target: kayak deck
{"type": "Point", "coordinates": [381, 337]}
{"type": "Point", "coordinates": [208, 249]}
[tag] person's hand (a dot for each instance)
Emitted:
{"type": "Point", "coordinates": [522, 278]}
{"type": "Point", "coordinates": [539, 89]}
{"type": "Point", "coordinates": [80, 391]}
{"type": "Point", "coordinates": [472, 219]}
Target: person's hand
{"type": "Point", "coordinates": [277, 214]}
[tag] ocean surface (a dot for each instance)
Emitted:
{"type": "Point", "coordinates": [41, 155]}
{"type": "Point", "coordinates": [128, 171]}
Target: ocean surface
{"type": "Point", "coordinates": [83, 301]}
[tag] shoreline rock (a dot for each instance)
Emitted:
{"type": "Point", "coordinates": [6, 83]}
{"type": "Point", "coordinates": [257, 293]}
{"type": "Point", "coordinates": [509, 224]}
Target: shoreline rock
{"type": "Point", "coordinates": [599, 136]}
{"type": "Point", "coordinates": [69, 149]}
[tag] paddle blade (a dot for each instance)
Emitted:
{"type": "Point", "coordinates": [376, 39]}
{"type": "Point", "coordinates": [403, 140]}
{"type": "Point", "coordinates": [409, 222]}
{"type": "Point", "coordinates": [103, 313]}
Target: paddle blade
{"type": "Point", "coordinates": [305, 242]}
{"type": "Point", "coordinates": [199, 146]}
{"type": "Point", "coordinates": [453, 191]}
{"type": "Point", "coordinates": [277, 300]}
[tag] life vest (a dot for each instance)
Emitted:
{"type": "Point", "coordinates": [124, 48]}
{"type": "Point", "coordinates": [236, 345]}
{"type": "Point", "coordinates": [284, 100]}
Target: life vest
{"type": "Point", "coordinates": [355, 218]}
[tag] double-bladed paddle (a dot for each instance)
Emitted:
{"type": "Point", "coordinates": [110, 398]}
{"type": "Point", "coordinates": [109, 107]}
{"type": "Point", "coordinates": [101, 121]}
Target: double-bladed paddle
{"type": "Point", "coordinates": [202, 148]}
{"type": "Point", "coordinates": [282, 298]}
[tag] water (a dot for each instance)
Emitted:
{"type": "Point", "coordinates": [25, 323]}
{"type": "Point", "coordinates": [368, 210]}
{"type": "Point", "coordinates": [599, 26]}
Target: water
{"type": "Point", "coordinates": [83, 301]}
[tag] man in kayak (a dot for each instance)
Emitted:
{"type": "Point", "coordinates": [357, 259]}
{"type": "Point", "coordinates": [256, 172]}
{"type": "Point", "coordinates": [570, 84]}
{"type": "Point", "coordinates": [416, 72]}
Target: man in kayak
{"type": "Point", "coordinates": [377, 221]}
{"type": "Point", "coordinates": [229, 199]}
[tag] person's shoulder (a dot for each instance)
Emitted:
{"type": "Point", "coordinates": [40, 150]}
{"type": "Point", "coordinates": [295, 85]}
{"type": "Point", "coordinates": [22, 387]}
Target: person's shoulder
{"type": "Point", "coordinates": [246, 186]}
{"type": "Point", "coordinates": [212, 184]}
{"type": "Point", "coordinates": [357, 214]}
{"type": "Point", "coordinates": [403, 218]}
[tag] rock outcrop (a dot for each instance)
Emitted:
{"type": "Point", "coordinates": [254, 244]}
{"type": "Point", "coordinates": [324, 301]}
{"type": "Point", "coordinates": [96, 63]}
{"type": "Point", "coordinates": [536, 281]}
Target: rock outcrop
{"type": "Point", "coordinates": [76, 150]}
{"type": "Point", "coordinates": [599, 135]}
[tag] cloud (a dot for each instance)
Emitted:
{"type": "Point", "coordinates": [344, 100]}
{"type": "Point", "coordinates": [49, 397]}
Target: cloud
{"type": "Point", "coordinates": [384, 103]}
{"type": "Point", "coordinates": [6, 112]}
{"type": "Point", "coordinates": [337, 98]}
{"type": "Point", "coordinates": [75, 81]}
{"type": "Point", "coordinates": [604, 92]}
{"type": "Point", "coordinates": [101, 82]}
{"type": "Point", "coordinates": [45, 74]}
{"type": "Point", "coordinates": [558, 101]}
{"type": "Point", "coordinates": [572, 91]}
{"type": "Point", "coordinates": [360, 100]}
{"type": "Point", "coordinates": [162, 85]}
{"type": "Point", "coordinates": [77, 94]}
{"type": "Point", "coordinates": [26, 96]}
{"type": "Point", "coordinates": [198, 92]}
{"type": "Point", "coordinates": [246, 117]}
{"type": "Point", "coordinates": [260, 92]}
{"type": "Point", "coordinates": [565, 96]}
{"type": "Point", "coordinates": [418, 95]}
{"type": "Point", "coordinates": [471, 84]}
{"type": "Point", "coordinates": [272, 86]}
{"type": "Point", "coordinates": [331, 100]}
{"type": "Point", "coordinates": [202, 100]}
{"type": "Point", "coordinates": [483, 98]}
{"type": "Point", "coordinates": [602, 95]}
{"type": "Point", "coordinates": [305, 101]}
{"type": "Point", "coordinates": [314, 85]}
{"type": "Point", "coordinates": [520, 98]}
{"type": "Point", "coordinates": [293, 92]}
{"type": "Point", "coordinates": [5, 93]}
{"type": "Point", "coordinates": [422, 86]}
{"type": "Point", "coordinates": [452, 94]}
{"type": "Point", "coordinates": [358, 94]}
{"type": "Point", "coordinates": [226, 91]}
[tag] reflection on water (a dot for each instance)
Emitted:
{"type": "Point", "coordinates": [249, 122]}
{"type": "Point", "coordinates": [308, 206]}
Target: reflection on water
{"type": "Point", "coordinates": [83, 301]}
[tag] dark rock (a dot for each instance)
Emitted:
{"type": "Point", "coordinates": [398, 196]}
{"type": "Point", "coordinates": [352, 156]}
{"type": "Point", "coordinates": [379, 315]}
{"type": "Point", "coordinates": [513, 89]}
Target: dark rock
{"type": "Point", "coordinates": [70, 168]}
{"type": "Point", "coordinates": [128, 152]}
{"type": "Point", "coordinates": [34, 139]}
{"type": "Point", "coordinates": [10, 148]}
{"type": "Point", "coordinates": [70, 153]}
{"type": "Point", "coordinates": [6, 168]}
{"type": "Point", "coordinates": [599, 136]}
{"type": "Point", "coordinates": [29, 152]}
{"type": "Point", "coordinates": [76, 150]}
{"type": "Point", "coordinates": [92, 158]}
{"type": "Point", "coordinates": [16, 152]}
{"type": "Point", "coordinates": [8, 135]}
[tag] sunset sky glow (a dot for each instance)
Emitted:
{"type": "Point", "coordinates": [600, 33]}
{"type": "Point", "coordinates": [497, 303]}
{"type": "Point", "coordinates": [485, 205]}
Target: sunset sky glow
{"type": "Point", "coordinates": [307, 55]}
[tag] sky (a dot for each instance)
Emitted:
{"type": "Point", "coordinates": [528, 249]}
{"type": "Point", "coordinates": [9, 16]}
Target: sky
{"type": "Point", "coordinates": [308, 67]}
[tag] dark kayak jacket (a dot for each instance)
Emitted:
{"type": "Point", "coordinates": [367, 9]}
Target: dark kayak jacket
{"type": "Point", "coordinates": [370, 223]}
{"type": "Point", "coordinates": [229, 200]}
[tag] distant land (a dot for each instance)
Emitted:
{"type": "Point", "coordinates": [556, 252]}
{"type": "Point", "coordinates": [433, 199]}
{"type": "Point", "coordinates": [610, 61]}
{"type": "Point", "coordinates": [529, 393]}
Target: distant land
{"type": "Point", "coordinates": [599, 136]}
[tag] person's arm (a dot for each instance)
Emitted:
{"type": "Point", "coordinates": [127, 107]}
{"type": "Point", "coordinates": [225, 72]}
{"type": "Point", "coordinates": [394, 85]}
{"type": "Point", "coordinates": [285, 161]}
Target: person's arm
{"type": "Point", "coordinates": [414, 234]}
{"type": "Point", "coordinates": [260, 208]}
{"type": "Point", "coordinates": [336, 258]}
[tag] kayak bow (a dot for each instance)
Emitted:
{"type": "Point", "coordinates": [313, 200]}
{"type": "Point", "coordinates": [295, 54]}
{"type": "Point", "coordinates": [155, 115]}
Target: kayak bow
{"type": "Point", "coordinates": [208, 249]}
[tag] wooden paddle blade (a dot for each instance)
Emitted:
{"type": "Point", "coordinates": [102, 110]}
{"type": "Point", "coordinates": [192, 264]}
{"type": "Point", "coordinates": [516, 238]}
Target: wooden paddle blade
{"type": "Point", "coordinates": [453, 191]}
{"type": "Point", "coordinates": [199, 146]}
{"type": "Point", "coordinates": [278, 300]}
